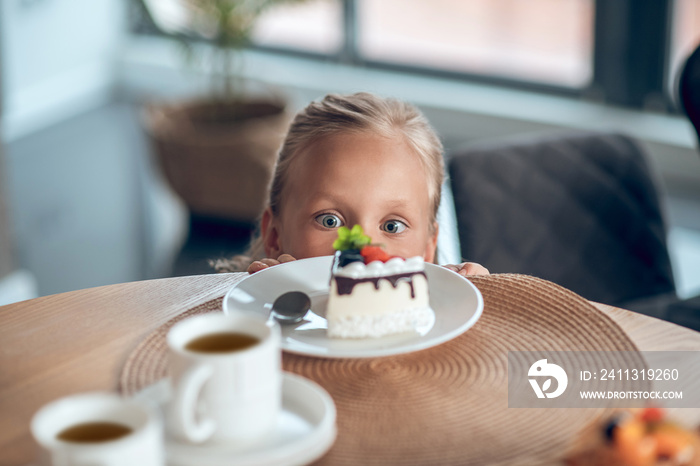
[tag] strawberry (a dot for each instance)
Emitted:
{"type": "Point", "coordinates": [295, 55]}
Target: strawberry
{"type": "Point", "coordinates": [652, 414]}
{"type": "Point", "coordinates": [374, 253]}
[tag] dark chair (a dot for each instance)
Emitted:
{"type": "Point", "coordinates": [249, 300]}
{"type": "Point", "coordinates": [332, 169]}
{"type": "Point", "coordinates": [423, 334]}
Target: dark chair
{"type": "Point", "coordinates": [689, 89]}
{"type": "Point", "coordinates": [687, 312]}
{"type": "Point", "coordinates": [579, 209]}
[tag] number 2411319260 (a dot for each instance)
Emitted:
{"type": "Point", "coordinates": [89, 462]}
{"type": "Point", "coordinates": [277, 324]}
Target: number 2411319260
{"type": "Point", "coordinates": [636, 374]}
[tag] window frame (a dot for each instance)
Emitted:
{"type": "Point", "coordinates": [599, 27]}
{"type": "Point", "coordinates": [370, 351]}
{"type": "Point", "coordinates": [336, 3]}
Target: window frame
{"type": "Point", "coordinates": [639, 31]}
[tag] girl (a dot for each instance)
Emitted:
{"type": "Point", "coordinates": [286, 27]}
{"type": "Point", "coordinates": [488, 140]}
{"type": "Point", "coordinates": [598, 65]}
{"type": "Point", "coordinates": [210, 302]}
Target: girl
{"type": "Point", "coordinates": [346, 160]}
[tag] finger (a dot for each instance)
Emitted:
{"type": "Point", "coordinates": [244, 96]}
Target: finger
{"type": "Point", "coordinates": [270, 262]}
{"type": "Point", "coordinates": [472, 268]}
{"type": "Point", "coordinates": [285, 258]}
{"type": "Point", "coordinates": [256, 266]}
{"type": "Point", "coordinates": [452, 267]}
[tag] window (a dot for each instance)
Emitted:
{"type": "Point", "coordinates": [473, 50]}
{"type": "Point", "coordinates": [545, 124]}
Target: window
{"type": "Point", "coordinates": [315, 26]}
{"type": "Point", "coordinates": [623, 52]}
{"type": "Point", "coordinates": [546, 41]}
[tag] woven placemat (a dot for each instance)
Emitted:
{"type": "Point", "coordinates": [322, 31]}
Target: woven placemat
{"type": "Point", "coordinates": [448, 404]}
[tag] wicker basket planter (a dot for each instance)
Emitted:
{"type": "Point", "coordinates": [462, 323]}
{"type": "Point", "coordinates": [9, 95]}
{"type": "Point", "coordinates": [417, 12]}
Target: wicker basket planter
{"type": "Point", "coordinates": [218, 158]}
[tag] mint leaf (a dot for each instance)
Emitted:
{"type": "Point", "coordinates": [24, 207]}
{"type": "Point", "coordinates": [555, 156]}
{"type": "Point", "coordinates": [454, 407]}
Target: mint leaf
{"type": "Point", "coordinates": [351, 239]}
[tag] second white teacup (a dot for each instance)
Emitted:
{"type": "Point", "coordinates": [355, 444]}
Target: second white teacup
{"type": "Point", "coordinates": [227, 378]}
{"type": "Point", "coordinates": [99, 429]}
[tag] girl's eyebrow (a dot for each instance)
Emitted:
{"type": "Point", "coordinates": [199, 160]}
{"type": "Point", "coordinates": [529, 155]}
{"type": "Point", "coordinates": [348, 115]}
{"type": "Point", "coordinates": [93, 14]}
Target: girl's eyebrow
{"type": "Point", "coordinates": [398, 203]}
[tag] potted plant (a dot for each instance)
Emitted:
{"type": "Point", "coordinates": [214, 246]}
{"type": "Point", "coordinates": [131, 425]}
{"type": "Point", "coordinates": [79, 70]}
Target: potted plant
{"type": "Point", "coordinates": [218, 152]}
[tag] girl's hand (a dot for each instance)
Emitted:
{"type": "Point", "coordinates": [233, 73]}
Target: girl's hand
{"type": "Point", "coordinates": [468, 268]}
{"type": "Point", "coordinates": [262, 264]}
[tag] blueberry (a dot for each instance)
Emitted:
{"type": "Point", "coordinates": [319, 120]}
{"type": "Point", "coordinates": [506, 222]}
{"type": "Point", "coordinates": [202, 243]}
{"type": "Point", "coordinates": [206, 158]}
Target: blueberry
{"type": "Point", "coordinates": [610, 427]}
{"type": "Point", "coordinates": [343, 258]}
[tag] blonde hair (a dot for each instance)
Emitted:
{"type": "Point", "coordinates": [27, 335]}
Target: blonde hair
{"type": "Point", "coordinates": [342, 114]}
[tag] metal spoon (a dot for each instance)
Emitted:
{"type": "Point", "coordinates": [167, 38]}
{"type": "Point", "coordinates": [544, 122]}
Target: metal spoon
{"type": "Point", "coordinates": [290, 307]}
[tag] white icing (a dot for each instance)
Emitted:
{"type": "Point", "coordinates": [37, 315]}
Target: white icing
{"type": "Point", "coordinates": [380, 269]}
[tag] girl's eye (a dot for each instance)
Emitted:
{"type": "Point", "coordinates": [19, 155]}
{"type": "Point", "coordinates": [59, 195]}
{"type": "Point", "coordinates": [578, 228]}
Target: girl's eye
{"type": "Point", "coordinates": [394, 226]}
{"type": "Point", "coordinates": [329, 221]}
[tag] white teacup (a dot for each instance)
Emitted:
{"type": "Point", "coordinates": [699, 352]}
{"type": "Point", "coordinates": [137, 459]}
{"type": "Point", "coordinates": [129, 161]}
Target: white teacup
{"type": "Point", "coordinates": [229, 395]}
{"type": "Point", "coordinates": [99, 429]}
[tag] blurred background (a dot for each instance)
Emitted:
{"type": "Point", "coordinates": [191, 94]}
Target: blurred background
{"type": "Point", "coordinates": [86, 198]}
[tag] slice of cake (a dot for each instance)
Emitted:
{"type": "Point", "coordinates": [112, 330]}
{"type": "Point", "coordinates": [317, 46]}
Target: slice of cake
{"type": "Point", "coordinates": [642, 437]}
{"type": "Point", "coordinates": [373, 294]}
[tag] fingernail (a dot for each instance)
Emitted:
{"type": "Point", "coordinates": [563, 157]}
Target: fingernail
{"type": "Point", "coordinates": [257, 265]}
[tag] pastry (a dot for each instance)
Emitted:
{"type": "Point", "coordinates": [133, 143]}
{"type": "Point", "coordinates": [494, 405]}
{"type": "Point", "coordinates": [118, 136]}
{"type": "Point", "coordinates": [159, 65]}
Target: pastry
{"type": "Point", "coordinates": [637, 438]}
{"type": "Point", "coordinates": [373, 294]}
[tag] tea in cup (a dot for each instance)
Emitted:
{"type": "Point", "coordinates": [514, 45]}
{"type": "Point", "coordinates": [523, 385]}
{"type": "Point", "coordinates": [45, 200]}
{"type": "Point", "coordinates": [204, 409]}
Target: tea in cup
{"type": "Point", "coordinates": [227, 378]}
{"type": "Point", "coordinates": [99, 429]}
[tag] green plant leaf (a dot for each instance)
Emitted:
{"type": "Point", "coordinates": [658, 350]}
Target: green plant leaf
{"type": "Point", "coordinates": [354, 238]}
{"type": "Point", "coordinates": [227, 25]}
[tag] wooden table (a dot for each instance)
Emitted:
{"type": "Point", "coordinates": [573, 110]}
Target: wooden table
{"type": "Point", "coordinates": [73, 342]}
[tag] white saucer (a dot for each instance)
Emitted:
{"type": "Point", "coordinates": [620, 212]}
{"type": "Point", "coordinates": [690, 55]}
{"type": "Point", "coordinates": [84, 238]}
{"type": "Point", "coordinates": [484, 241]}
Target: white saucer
{"type": "Point", "coordinates": [305, 431]}
{"type": "Point", "coordinates": [456, 303]}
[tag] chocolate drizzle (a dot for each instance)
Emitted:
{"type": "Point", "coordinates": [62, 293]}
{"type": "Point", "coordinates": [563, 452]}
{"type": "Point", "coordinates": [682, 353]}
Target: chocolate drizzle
{"type": "Point", "coordinates": [345, 285]}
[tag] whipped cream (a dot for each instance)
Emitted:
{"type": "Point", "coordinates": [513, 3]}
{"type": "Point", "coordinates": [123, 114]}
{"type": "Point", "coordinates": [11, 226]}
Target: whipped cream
{"type": "Point", "coordinates": [393, 266]}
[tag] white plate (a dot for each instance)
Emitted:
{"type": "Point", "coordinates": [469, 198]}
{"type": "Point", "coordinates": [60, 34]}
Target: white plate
{"type": "Point", "coordinates": [305, 431]}
{"type": "Point", "coordinates": [456, 303]}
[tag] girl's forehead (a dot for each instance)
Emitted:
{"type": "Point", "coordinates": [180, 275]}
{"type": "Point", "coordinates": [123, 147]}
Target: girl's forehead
{"type": "Point", "coordinates": [355, 163]}
{"type": "Point", "coordinates": [355, 145]}
{"type": "Point", "coordinates": [346, 158]}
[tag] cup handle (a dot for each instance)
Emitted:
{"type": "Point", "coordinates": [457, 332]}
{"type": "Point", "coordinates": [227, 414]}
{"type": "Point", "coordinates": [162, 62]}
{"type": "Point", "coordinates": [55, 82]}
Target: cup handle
{"type": "Point", "coordinates": [185, 400]}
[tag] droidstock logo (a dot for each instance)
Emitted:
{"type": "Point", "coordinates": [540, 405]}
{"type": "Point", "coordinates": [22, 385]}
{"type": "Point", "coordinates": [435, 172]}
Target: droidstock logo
{"type": "Point", "coordinates": [542, 369]}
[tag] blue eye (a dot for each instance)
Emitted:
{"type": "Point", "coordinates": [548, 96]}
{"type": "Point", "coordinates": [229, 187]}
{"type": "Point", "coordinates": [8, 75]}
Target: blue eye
{"type": "Point", "coordinates": [329, 221]}
{"type": "Point", "coordinates": [394, 226]}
